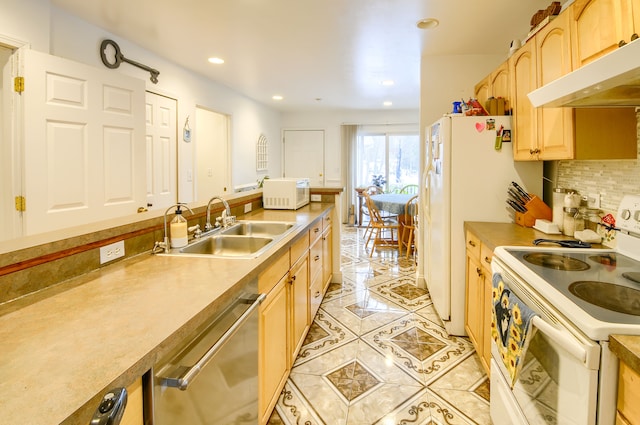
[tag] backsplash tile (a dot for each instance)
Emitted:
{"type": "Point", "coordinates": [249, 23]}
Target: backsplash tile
{"type": "Point", "coordinates": [611, 178]}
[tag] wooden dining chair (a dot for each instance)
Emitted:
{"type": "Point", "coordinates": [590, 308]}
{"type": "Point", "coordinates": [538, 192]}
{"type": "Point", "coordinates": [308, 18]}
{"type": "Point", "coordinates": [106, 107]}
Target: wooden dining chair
{"type": "Point", "coordinates": [384, 231]}
{"type": "Point", "coordinates": [410, 189]}
{"type": "Point", "coordinates": [407, 223]}
{"type": "Point", "coordinates": [371, 190]}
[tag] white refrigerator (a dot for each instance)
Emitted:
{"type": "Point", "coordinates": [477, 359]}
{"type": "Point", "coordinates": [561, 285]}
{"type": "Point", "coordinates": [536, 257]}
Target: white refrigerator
{"type": "Point", "coordinates": [465, 179]}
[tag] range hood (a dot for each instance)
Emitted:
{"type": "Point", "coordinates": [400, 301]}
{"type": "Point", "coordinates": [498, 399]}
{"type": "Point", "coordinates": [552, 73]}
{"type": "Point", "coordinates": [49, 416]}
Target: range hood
{"type": "Point", "coordinates": [612, 80]}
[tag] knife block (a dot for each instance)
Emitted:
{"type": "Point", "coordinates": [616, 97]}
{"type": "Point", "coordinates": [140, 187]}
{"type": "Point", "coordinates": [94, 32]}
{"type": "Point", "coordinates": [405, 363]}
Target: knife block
{"type": "Point", "coordinates": [536, 208]}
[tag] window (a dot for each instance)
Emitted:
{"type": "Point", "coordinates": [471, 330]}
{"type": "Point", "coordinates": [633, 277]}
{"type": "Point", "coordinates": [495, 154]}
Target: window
{"type": "Point", "coordinates": [394, 156]}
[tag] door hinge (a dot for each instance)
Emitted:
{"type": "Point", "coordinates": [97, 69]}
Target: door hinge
{"type": "Point", "coordinates": [18, 84]}
{"type": "Point", "coordinates": [21, 203]}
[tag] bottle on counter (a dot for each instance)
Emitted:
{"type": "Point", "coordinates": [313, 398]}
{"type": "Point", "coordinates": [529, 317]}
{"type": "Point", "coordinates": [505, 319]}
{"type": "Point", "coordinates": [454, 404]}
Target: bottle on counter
{"type": "Point", "coordinates": [569, 222]}
{"type": "Point", "coordinates": [178, 230]}
{"type": "Point", "coordinates": [558, 206]}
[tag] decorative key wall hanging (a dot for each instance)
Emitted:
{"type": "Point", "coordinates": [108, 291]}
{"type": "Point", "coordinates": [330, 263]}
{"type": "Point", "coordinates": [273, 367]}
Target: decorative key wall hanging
{"type": "Point", "coordinates": [118, 58]}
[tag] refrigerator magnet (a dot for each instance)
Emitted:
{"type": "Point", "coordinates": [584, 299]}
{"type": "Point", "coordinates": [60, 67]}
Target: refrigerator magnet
{"type": "Point", "coordinates": [506, 136]}
{"type": "Point", "coordinates": [491, 124]}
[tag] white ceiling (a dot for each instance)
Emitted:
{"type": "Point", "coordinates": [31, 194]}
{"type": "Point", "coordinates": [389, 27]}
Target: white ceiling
{"type": "Point", "coordinates": [316, 54]}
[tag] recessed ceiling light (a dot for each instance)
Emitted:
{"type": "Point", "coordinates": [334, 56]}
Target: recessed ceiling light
{"type": "Point", "coordinates": [277, 97]}
{"type": "Point", "coordinates": [427, 23]}
{"type": "Point", "coordinates": [388, 103]}
{"type": "Point", "coordinates": [216, 61]}
{"type": "Point", "coordinates": [387, 82]}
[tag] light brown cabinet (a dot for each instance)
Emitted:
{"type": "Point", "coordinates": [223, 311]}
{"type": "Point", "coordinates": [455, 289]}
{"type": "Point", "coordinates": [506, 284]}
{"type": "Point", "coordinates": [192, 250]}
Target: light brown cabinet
{"type": "Point", "coordinates": [598, 26]}
{"type": "Point", "coordinates": [562, 133]}
{"type": "Point", "coordinates": [628, 395]}
{"type": "Point", "coordinates": [327, 255]}
{"type": "Point", "coordinates": [495, 85]}
{"type": "Point", "coordinates": [478, 298]}
{"type": "Point", "coordinates": [133, 414]}
{"type": "Point", "coordinates": [294, 287]}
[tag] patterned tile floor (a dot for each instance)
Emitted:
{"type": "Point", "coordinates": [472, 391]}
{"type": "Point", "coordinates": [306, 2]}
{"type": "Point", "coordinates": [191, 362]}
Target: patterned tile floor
{"type": "Point", "coordinates": [377, 353]}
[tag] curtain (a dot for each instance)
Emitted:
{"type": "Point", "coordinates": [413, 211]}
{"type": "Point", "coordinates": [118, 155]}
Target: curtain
{"type": "Point", "coordinates": [349, 142]}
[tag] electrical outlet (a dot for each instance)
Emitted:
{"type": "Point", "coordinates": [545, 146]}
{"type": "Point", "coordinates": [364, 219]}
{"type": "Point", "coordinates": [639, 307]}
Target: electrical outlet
{"type": "Point", "coordinates": [593, 200]}
{"type": "Point", "coordinates": [316, 198]}
{"type": "Point", "coordinates": [247, 207]}
{"type": "Point", "coordinates": [111, 252]}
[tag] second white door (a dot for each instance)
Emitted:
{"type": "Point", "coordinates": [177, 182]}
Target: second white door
{"type": "Point", "coordinates": [304, 155]}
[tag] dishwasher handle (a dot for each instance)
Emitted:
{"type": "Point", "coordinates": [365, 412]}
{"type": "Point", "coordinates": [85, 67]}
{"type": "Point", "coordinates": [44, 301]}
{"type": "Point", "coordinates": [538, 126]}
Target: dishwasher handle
{"type": "Point", "coordinates": [189, 375]}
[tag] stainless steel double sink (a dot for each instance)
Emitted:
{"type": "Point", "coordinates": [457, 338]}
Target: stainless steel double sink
{"type": "Point", "coordinates": [245, 239]}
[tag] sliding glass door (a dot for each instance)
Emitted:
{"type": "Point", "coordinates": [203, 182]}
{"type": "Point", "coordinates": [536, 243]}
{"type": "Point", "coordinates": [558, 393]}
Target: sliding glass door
{"type": "Point", "coordinates": [388, 159]}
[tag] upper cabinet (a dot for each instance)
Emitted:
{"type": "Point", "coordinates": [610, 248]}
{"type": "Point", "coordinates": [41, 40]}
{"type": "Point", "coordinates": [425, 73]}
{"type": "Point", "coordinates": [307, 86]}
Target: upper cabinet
{"type": "Point", "coordinates": [522, 70]}
{"type": "Point", "coordinates": [553, 55]}
{"type": "Point", "coordinates": [565, 133]}
{"type": "Point", "coordinates": [495, 85]}
{"type": "Point", "coordinates": [599, 25]}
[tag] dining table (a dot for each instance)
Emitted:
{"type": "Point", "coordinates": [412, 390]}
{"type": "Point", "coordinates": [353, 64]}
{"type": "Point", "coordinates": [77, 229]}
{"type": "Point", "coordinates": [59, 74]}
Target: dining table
{"type": "Point", "coordinates": [392, 203]}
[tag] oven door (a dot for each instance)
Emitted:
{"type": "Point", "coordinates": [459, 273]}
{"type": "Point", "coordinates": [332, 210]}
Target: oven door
{"type": "Point", "coordinates": [558, 382]}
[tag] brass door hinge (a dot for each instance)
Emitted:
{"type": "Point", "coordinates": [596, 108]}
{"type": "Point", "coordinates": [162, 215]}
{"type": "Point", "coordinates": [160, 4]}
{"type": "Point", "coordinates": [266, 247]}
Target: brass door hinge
{"type": "Point", "coordinates": [18, 84]}
{"type": "Point", "coordinates": [21, 203]}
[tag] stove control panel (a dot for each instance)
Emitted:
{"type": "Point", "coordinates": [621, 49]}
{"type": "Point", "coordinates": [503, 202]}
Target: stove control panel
{"type": "Point", "coordinates": [629, 214]}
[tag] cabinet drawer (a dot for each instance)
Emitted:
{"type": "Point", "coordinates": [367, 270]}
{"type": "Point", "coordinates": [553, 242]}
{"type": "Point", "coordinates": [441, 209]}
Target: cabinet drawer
{"type": "Point", "coordinates": [315, 259]}
{"type": "Point", "coordinates": [316, 230]}
{"type": "Point", "coordinates": [473, 245]}
{"type": "Point", "coordinates": [629, 394]}
{"type": "Point", "coordinates": [326, 221]}
{"type": "Point", "coordinates": [299, 247]}
{"type": "Point", "coordinates": [315, 295]}
{"type": "Point", "coordinates": [270, 276]}
{"type": "Point", "coordinates": [485, 256]}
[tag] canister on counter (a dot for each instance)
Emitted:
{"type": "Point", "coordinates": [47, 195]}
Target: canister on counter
{"type": "Point", "coordinates": [558, 205]}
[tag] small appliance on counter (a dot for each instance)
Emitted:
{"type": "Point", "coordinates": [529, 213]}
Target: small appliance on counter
{"type": "Point", "coordinates": [285, 193]}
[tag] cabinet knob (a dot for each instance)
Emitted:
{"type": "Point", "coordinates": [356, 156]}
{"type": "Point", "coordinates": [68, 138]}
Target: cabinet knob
{"type": "Point", "coordinates": [317, 294]}
{"type": "Point", "coordinates": [472, 243]}
{"type": "Point", "coordinates": [479, 271]}
{"type": "Point", "coordinates": [487, 260]}
{"type": "Point", "coordinates": [316, 258]}
{"type": "Point", "coordinates": [316, 230]}
{"type": "Point", "coordinates": [293, 279]}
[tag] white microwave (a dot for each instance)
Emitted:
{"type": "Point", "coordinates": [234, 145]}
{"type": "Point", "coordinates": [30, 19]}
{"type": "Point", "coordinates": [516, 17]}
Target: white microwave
{"type": "Point", "coordinates": [285, 194]}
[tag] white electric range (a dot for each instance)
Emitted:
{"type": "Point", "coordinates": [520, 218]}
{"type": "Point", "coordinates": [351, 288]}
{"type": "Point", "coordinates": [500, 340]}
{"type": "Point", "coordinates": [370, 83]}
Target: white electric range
{"type": "Point", "coordinates": [581, 297]}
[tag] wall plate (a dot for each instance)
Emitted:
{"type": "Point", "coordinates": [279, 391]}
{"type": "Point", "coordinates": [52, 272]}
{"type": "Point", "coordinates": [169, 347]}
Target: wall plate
{"type": "Point", "coordinates": [111, 252]}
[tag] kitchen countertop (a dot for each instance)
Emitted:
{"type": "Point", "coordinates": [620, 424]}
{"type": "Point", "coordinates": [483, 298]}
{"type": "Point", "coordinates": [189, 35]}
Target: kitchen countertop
{"type": "Point", "coordinates": [60, 355]}
{"type": "Point", "coordinates": [627, 349]}
{"type": "Point", "coordinates": [499, 234]}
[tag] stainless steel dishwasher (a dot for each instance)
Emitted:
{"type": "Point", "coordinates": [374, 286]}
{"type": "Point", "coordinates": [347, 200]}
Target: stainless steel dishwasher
{"type": "Point", "coordinates": [213, 378]}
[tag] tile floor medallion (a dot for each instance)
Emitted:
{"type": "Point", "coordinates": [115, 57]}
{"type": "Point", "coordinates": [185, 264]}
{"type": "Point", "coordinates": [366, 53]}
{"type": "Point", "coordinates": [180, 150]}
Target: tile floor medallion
{"type": "Point", "coordinates": [377, 353]}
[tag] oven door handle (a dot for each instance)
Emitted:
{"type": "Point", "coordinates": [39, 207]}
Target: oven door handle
{"type": "Point", "coordinates": [566, 340]}
{"type": "Point", "coordinates": [188, 375]}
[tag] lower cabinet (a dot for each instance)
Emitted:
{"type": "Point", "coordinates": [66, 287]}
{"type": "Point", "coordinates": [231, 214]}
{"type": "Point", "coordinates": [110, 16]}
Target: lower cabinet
{"type": "Point", "coordinates": [295, 285]}
{"type": "Point", "coordinates": [133, 412]}
{"type": "Point", "coordinates": [478, 298]}
{"type": "Point", "coordinates": [628, 395]}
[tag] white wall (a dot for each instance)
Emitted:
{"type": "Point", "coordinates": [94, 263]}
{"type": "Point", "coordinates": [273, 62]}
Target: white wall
{"type": "Point", "coordinates": [26, 21]}
{"type": "Point", "coordinates": [248, 118]}
{"type": "Point", "coordinates": [330, 122]}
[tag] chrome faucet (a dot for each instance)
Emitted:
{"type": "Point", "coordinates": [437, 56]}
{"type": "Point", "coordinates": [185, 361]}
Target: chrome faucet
{"type": "Point", "coordinates": [226, 218]}
{"type": "Point", "coordinates": [165, 242]}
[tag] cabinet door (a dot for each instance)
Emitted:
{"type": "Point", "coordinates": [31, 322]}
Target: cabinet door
{"type": "Point", "coordinates": [597, 28]}
{"type": "Point", "coordinates": [327, 258]}
{"type": "Point", "coordinates": [522, 73]}
{"type": "Point", "coordinates": [553, 58]}
{"type": "Point", "coordinates": [482, 90]}
{"type": "Point", "coordinates": [273, 363]}
{"type": "Point", "coordinates": [298, 304]}
{"type": "Point", "coordinates": [500, 81]}
{"type": "Point", "coordinates": [487, 301]}
{"type": "Point", "coordinates": [474, 315]}
{"type": "Point", "coordinates": [635, 4]}
{"type": "Point", "coordinates": [133, 414]}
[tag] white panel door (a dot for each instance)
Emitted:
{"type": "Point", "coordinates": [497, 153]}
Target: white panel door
{"type": "Point", "coordinates": [304, 155]}
{"type": "Point", "coordinates": [160, 112]}
{"type": "Point", "coordinates": [212, 154]}
{"type": "Point", "coordinates": [84, 151]}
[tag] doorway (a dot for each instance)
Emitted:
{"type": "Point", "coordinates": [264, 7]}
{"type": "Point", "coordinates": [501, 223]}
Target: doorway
{"type": "Point", "coordinates": [304, 155]}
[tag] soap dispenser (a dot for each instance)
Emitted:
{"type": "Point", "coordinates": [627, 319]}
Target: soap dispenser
{"type": "Point", "coordinates": [178, 230]}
